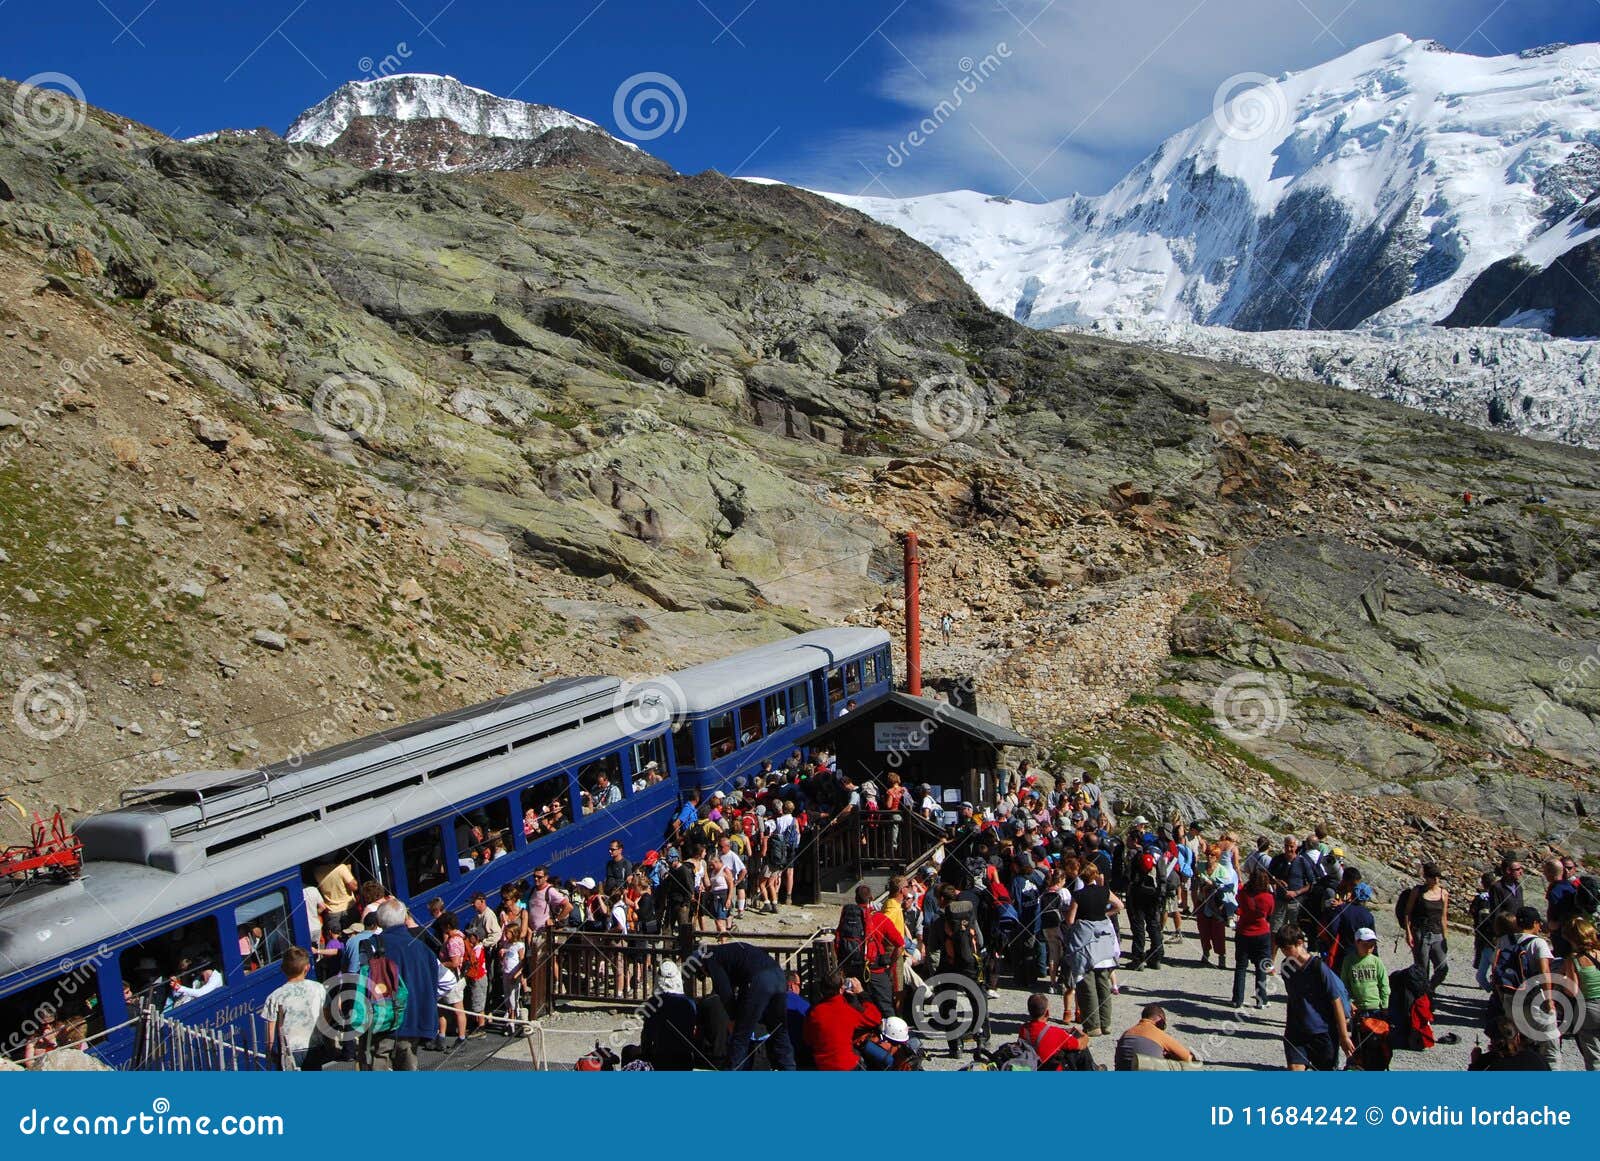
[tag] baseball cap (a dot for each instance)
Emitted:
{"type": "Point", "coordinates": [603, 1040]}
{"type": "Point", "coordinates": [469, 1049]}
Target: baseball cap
{"type": "Point", "coordinates": [1366, 935]}
{"type": "Point", "coordinates": [1141, 821]}
{"type": "Point", "coordinates": [586, 883]}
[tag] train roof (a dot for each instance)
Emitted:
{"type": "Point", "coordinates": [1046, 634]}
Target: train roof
{"type": "Point", "coordinates": [49, 923]}
{"type": "Point", "coordinates": [714, 684]}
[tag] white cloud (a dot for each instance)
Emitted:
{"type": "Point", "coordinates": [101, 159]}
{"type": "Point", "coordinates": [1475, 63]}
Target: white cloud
{"type": "Point", "coordinates": [1088, 87]}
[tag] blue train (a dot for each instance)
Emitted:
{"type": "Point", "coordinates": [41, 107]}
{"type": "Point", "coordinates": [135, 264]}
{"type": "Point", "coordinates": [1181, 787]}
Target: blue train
{"type": "Point", "coordinates": [207, 870]}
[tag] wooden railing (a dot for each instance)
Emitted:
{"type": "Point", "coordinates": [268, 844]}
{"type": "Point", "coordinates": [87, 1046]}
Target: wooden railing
{"type": "Point", "coordinates": [619, 971]}
{"type": "Point", "coordinates": [858, 842]}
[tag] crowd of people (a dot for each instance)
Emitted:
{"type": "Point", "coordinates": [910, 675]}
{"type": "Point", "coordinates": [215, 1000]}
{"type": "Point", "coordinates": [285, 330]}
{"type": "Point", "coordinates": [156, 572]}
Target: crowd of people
{"type": "Point", "coordinates": [1043, 892]}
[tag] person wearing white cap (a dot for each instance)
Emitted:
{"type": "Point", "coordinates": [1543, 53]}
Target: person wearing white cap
{"type": "Point", "coordinates": [1367, 980]}
{"type": "Point", "coordinates": [668, 1040]}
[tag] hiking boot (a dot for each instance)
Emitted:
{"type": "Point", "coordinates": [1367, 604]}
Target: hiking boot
{"type": "Point", "coordinates": [434, 1046]}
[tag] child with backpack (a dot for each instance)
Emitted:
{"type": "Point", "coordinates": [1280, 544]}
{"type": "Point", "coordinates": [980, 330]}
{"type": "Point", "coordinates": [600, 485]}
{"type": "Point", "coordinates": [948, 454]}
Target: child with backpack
{"type": "Point", "coordinates": [1522, 960]}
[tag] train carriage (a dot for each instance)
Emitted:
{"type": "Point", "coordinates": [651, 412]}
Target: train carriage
{"type": "Point", "coordinates": [203, 874]}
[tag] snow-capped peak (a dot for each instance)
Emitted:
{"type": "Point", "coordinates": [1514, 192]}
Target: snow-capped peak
{"type": "Point", "coordinates": [430, 96]}
{"type": "Point", "coordinates": [1372, 188]}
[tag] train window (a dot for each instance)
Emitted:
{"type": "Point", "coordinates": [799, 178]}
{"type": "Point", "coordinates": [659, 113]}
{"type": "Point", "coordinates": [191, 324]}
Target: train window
{"type": "Point", "coordinates": [776, 718]}
{"type": "Point", "coordinates": [54, 1013]}
{"type": "Point", "coordinates": [683, 746]}
{"type": "Point", "coordinates": [852, 677]}
{"type": "Point", "coordinates": [649, 763]}
{"type": "Point", "coordinates": [723, 741]}
{"type": "Point", "coordinates": [483, 834]}
{"type": "Point", "coordinates": [175, 966]}
{"type": "Point", "coordinates": [265, 930]}
{"type": "Point", "coordinates": [750, 723]}
{"type": "Point", "coordinates": [835, 685]}
{"type": "Point", "coordinates": [600, 783]}
{"type": "Point", "coordinates": [869, 669]}
{"type": "Point", "coordinates": [544, 807]}
{"type": "Point", "coordinates": [885, 666]}
{"type": "Point", "coordinates": [800, 702]}
{"type": "Point", "coordinates": [423, 852]}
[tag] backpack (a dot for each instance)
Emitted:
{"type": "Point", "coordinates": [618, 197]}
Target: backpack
{"type": "Point", "coordinates": [879, 950]}
{"type": "Point", "coordinates": [1050, 910]}
{"type": "Point", "coordinates": [960, 938]}
{"type": "Point", "coordinates": [850, 941]}
{"type": "Point", "coordinates": [1402, 906]}
{"type": "Point", "coordinates": [1513, 968]}
{"type": "Point", "coordinates": [381, 995]}
{"type": "Point", "coordinates": [1025, 893]}
{"type": "Point", "coordinates": [1588, 887]}
{"type": "Point", "coordinates": [1144, 888]}
{"type": "Point", "coordinates": [783, 842]}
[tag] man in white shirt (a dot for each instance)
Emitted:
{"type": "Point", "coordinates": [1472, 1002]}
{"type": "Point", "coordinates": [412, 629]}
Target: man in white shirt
{"type": "Point", "coordinates": [207, 980]}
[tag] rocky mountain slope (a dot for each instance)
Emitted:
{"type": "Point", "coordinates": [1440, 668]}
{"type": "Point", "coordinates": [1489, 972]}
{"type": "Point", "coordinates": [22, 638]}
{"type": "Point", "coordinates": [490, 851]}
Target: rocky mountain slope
{"type": "Point", "coordinates": [1505, 378]}
{"type": "Point", "coordinates": [293, 448]}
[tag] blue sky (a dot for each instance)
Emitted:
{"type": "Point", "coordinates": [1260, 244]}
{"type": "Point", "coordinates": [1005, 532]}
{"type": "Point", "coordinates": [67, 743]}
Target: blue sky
{"type": "Point", "coordinates": [812, 91]}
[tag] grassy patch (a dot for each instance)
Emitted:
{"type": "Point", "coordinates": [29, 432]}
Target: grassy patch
{"type": "Point", "coordinates": [1281, 630]}
{"type": "Point", "coordinates": [53, 556]}
{"type": "Point", "coordinates": [1467, 700]}
{"type": "Point", "coordinates": [1199, 721]}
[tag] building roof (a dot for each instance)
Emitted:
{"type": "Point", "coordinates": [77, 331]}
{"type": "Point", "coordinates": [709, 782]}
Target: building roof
{"type": "Point", "coordinates": [925, 709]}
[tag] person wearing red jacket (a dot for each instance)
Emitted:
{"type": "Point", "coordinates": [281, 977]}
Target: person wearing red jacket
{"type": "Point", "coordinates": [1049, 1041]}
{"type": "Point", "coordinates": [1252, 936]}
{"type": "Point", "coordinates": [834, 1024]}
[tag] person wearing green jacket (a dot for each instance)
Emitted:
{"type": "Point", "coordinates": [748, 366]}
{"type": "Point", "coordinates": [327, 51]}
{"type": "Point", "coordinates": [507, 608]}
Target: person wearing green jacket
{"type": "Point", "coordinates": [1365, 977]}
{"type": "Point", "coordinates": [1367, 981]}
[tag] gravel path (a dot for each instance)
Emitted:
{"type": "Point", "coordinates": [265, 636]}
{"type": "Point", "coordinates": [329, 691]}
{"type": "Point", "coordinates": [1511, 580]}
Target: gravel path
{"type": "Point", "coordinates": [1197, 1000]}
{"type": "Point", "coordinates": [1199, 1013]}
